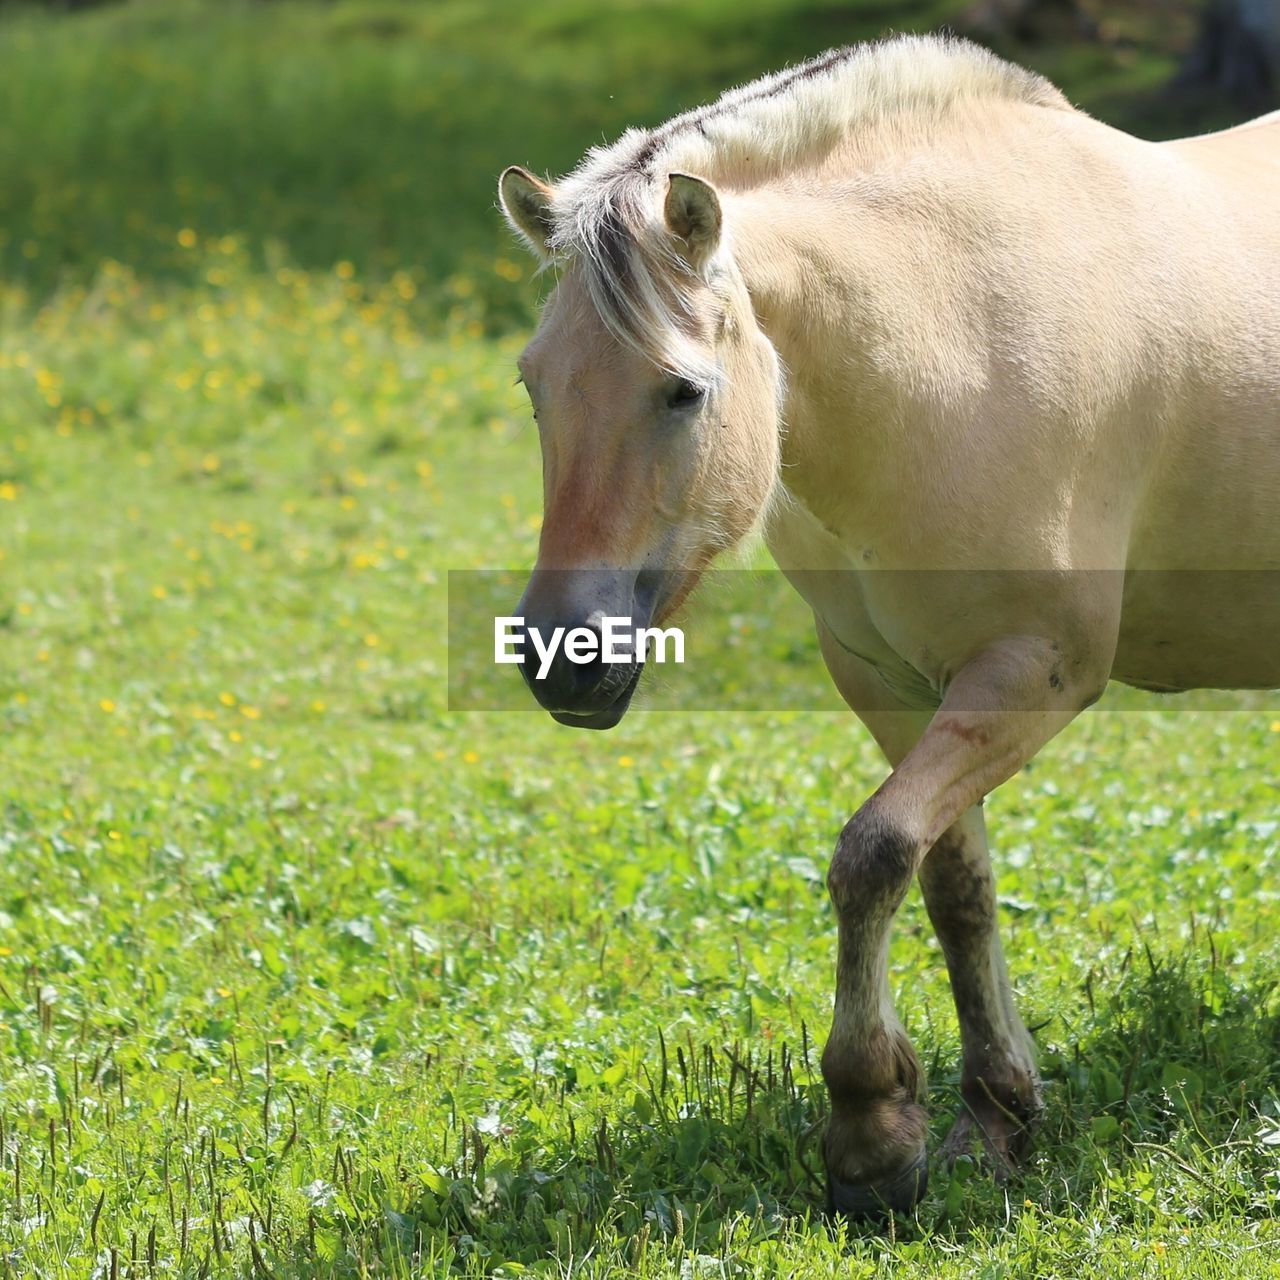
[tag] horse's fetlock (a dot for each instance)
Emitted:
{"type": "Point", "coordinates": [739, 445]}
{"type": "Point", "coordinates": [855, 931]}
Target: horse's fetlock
{"type": "Point", "coordinates": [883, 1066]}
{"type": "Point", "coordinates": [873, 863]}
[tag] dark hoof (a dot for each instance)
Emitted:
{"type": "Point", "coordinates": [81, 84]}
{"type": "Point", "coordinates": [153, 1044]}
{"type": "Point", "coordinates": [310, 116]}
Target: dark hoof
{"type": "Point", "coordinates": [876, 1201]}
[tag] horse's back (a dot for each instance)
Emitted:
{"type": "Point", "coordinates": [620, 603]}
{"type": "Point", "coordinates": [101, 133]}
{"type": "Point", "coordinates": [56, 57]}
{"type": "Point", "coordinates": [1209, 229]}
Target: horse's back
{"type": "Point", "coordinates": [1257, 136]}
{"type": "Point", "coordinates": [1241, 166]}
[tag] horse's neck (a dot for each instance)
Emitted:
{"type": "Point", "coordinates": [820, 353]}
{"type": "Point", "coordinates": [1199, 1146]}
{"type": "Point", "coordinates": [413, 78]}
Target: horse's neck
{"type": "Point", "coordinates": [783, 234]}
{"type": "Point", "coordinates": [804, 259]}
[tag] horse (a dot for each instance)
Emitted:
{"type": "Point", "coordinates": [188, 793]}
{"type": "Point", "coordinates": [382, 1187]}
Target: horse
{"type": "Point", "coordinates": [1000, 387]}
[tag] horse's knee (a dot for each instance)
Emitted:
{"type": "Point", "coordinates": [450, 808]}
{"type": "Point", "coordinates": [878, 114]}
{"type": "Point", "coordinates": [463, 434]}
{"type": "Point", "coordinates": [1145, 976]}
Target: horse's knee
{"type": "Point", "coordinates": [873, 863]}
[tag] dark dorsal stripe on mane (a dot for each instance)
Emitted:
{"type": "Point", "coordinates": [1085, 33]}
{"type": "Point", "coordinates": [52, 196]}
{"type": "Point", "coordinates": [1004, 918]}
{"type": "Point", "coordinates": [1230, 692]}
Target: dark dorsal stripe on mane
{"type": "Point", "coordinates": [769, 87]}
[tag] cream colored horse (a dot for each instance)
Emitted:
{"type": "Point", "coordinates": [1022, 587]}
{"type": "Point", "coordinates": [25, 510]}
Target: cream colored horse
{"type": "Point", "coordinates": [908, 310]}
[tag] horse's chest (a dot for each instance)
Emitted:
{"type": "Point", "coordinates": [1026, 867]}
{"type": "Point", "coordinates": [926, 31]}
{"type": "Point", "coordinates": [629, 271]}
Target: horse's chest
{"type": "Point", "coordinates": [834, 585]}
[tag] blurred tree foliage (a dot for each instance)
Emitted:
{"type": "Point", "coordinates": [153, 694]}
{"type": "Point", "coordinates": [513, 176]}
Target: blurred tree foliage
{"type": "Point", "coordinates": [1238, 52]}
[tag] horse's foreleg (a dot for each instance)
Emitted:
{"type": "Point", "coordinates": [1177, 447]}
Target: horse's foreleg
{"type": "Point", "coordinates": [998, 711]}
{"type": "Point", "coordinates": [998, 1080]}
{"type": "Point", "coordinates": [875, 1137]}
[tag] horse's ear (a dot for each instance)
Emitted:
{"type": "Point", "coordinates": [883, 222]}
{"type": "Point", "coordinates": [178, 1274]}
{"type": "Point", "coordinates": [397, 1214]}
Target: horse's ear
{"type": "Point", "coordinates": [692, 211]}
{"type": "Point", "coordinates": [527, 203]}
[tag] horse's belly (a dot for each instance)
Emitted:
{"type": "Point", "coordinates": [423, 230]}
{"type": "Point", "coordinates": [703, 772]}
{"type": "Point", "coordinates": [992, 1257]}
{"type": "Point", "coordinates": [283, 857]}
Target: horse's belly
{"type": "Point", "coordinates": [1200, 629]}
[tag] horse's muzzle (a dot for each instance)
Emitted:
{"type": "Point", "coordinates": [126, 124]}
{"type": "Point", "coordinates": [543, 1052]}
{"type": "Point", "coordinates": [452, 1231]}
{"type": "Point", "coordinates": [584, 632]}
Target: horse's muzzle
{"type": "Point", "coordinates": [609, 715]}
{"type": "Point", "coordinates": [576, 659]}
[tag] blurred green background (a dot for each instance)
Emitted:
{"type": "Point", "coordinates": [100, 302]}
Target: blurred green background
{"type": "Point", "coordinates": [372, 131]}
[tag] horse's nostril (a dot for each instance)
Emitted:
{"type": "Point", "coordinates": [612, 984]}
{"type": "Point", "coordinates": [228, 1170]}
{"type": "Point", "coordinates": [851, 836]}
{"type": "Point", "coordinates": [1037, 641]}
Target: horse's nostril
{"type": "Point", "coordinates": [571, 677]}
{"type": "Point", "coordinates": [588, 676]}
{"type": "Point", "coordinates": [582, 676]}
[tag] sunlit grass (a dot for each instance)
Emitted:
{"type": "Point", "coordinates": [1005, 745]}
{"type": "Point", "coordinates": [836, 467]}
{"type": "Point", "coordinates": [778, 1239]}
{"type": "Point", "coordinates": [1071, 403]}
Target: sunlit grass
{"type": "Point", "coordinates": [300, 973]}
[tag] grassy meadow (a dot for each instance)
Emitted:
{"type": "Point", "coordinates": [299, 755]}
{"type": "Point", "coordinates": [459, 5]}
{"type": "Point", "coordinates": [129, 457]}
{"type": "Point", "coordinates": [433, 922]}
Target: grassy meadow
{"type": "Point", "coordinates": [304, 975]}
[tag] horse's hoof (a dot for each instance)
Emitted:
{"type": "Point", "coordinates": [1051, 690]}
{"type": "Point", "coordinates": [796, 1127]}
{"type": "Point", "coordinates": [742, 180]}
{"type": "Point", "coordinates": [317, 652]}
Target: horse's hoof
{"type": "Point", "coordinates": [876, 1201]}
{"type": "Point", "coordinates": [1003, 1134]}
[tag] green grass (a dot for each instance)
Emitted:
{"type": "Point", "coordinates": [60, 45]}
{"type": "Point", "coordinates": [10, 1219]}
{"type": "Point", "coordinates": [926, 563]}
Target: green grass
{"type": "Point", "coordinates": [302, 974]}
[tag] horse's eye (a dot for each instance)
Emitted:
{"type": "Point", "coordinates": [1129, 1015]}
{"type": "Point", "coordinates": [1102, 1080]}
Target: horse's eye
{"type": "Point", "coordinates": [685, 394]}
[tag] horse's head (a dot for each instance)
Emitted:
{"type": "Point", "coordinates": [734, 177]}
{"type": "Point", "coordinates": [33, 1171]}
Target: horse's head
{"type": "Point", "coordinates": [656, 397]}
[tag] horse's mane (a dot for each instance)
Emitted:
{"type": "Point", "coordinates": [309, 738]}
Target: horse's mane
{"type": "Point", "coordinates": [608, 210]}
